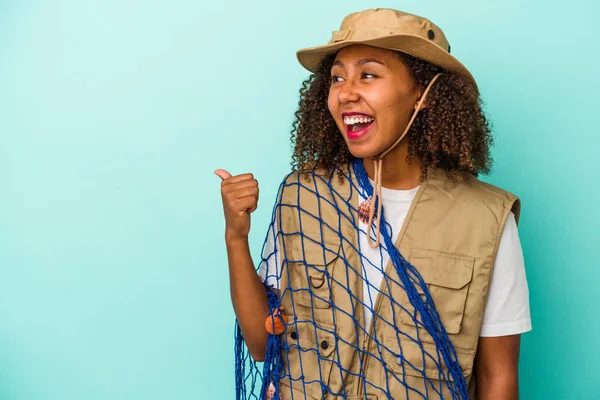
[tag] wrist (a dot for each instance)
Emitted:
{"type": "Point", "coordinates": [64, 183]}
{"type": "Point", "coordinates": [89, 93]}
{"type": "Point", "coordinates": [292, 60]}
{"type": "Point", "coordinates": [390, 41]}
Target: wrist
{"type": "Point", "coordinates": [235, 240]}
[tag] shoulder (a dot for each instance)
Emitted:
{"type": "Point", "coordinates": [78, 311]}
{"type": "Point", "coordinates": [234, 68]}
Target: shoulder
{"type": "Point", "coordinates": [476, 193]}
{"type": "Point", "coordinates": [315, 181]}
{"type": "Point", "coordinates": [318, 173]}
{"type": "Point", "coordinates": [308, 199]}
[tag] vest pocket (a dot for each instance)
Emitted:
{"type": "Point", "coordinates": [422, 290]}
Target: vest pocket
{"type": "Point", "coordinates": [309, 356]}
{"type": "Point", "coordinates": [311, 269]}
{"type": "Point", "coordinates": [447, 276]}
{"type": "Point", "coordinates": [406, 358]}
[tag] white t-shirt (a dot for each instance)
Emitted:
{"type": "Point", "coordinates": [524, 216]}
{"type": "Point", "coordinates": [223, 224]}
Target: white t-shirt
{"type": "Point", "coordinates": [507, 308]}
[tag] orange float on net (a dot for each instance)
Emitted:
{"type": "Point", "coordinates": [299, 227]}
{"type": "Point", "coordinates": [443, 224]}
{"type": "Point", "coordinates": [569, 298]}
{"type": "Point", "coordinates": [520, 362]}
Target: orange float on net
{"type": "Point", "coordinates": [275, 323]}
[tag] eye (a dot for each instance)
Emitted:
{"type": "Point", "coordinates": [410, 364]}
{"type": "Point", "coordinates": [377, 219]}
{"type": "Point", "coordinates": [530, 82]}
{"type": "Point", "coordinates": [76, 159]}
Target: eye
{"type": "Point", "coordinates": [335, 79]}
{"type": "Point", "coordinates": [368, 76]}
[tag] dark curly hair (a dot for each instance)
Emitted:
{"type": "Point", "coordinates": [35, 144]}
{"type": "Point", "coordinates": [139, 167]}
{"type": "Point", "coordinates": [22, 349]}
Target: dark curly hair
{"type": "Point", "coordinates": [451, 134]}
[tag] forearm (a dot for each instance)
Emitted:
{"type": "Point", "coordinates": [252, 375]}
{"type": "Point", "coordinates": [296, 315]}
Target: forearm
{"type": "Point", "coordinates": [249, 297]}
{"type": "Point", "coordinates": [497, 387]}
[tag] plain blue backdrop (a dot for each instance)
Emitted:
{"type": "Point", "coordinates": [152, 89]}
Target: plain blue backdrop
{"type": "Point", "coordinates": [114, 114]}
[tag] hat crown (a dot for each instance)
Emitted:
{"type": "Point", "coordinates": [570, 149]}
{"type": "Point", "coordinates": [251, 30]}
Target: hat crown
{"type": "Point", "coordinates": [379, 22]}
{"type": "Point", "coordinates": [390, 29]}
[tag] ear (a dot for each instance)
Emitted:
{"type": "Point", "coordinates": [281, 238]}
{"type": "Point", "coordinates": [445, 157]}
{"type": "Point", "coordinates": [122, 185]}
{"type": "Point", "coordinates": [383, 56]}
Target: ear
{"type": "Point", "coordinates": [419, 94]}
{"type": "Point", "coordinates": [423, 106]}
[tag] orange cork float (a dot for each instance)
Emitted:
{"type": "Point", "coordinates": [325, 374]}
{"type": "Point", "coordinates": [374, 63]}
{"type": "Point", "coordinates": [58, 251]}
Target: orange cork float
{"type": "Point", "coordinates": [275, 323]}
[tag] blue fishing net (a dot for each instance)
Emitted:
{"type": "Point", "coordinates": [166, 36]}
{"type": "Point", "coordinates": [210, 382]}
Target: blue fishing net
{"type": "Point", "coordinates": [305, 372]}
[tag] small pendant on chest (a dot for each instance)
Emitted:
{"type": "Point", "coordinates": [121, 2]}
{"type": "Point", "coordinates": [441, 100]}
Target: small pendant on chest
{"type": "Point", "coordinates": [364, 209]}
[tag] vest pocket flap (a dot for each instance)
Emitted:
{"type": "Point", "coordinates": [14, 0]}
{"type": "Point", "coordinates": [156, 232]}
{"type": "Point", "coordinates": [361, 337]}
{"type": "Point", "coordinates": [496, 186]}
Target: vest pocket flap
{"type": "Point", "coordinates": [316, 337]}
{"type": "Point", "coordinates": [316, 251]}
{"type": "Point", "coordinates": [313, 259]}
{"type": "Point", "coordinates": [325, 342]}
{"type": "Point", "coordinates": [421, 359]}
{"type": "Point", "coordinates": [447, 277]}
{"type": "Point", "coordinates": [453, 271]}
{"type": "Point", "coordinates": [309, 356]}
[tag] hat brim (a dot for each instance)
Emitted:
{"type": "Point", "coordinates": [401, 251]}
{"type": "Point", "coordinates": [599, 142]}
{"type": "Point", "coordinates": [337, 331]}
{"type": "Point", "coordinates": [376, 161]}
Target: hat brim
{"type": "Point", "coordinates": [310, 58]}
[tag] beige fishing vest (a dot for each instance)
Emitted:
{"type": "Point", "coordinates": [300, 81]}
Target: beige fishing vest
{"type": "Point", "coordinates": [451, 235]}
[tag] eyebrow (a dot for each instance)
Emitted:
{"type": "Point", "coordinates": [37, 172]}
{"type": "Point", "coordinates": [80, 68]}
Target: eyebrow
{"type": "Point", "coordinates": [359, 62]}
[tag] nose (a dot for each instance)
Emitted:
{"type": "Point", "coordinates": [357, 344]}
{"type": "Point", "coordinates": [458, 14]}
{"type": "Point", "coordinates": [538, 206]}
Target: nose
{"type": "Point", "coordinates": [348, 93]}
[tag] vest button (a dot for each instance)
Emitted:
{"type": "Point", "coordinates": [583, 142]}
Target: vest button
{"type": "Point", "coordinates": [399, 360]}
{"type": "Point", "coordinates": [294, 335]}
{"type": "Point", "coordinates": [324, 344]}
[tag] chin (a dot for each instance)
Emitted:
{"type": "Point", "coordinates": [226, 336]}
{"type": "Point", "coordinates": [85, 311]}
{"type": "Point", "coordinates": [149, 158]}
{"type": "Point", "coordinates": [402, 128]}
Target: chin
{"type": "Point", "coordinates": [363, 150]}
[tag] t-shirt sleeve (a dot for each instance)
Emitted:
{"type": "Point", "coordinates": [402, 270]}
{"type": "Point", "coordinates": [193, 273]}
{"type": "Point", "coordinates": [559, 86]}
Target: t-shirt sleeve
{"type": "Point", "coordinates": [507, 309]}
{"type": "Point", "coordinates": [270, 266]}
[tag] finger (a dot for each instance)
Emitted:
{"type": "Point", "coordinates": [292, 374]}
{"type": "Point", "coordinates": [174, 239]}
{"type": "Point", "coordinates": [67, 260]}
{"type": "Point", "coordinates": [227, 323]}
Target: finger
{"type": "Point", "coordinates": [228, 188]}
{"type": "Point", "coordinates": [221, 173]}
{"type": "Point", "coordinates": [241, 177]}
{"type": "Point", "coordinates": [252, 209]}
{"type": "Point", "coordinates": [245, 205]}
{"type": "Point", "coordinates": [244, 192]}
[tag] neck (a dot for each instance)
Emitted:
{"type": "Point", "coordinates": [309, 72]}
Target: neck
{"type": "Point", "coordinates": [396, 173]}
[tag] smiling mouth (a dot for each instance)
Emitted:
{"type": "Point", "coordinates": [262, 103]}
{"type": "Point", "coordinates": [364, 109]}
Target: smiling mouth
{"type": "Point", "coordinates": [357, 126]}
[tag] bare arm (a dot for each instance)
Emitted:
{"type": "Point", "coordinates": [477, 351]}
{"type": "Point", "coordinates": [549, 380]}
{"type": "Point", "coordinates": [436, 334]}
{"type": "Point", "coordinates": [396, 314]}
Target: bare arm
{"type": "Point", "coordinates": [248, 294]}
{"type": "Point", "coordinates": [496, 368]}
{"type": "Point", "coordinates": [249, 297]}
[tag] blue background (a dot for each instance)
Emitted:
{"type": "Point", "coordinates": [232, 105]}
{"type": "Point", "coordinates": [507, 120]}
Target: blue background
{"type": "Point", "coordinates": [114, 114]}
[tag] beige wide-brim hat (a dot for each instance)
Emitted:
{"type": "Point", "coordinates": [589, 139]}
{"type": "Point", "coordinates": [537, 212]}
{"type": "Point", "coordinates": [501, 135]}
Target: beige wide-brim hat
{"type": "Point", "coordinates": [388, 29]}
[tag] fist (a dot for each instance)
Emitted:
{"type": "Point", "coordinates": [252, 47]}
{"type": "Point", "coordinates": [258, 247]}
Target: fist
{"type": "Point", "coordinates": [240, 199]}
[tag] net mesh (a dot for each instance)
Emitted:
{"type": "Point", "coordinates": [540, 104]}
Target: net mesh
{"type": "Point", "coordinates": [299, 369]}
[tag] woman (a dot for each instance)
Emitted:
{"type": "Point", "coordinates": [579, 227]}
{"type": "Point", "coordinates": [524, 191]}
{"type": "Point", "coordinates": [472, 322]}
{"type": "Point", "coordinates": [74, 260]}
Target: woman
{"type": "Point", "coordinates": [389, 270]}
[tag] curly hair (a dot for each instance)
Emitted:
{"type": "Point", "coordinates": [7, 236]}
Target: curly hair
{"type": "Point", "coordinates": [451, 133]}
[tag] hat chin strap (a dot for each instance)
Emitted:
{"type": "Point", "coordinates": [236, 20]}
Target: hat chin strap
{"type": "Point", "coordinates": [378, 161]}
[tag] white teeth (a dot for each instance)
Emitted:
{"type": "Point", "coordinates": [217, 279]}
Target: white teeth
{"type": "Point", "coordinates": [355, 120]}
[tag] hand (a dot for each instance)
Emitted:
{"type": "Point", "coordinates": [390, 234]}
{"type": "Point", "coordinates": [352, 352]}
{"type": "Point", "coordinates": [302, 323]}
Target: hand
{"type": "Point", "coordinates": [240, 199]}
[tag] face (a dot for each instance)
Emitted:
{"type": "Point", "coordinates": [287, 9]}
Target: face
{"type": "Point", "coordinates": [371, 98]}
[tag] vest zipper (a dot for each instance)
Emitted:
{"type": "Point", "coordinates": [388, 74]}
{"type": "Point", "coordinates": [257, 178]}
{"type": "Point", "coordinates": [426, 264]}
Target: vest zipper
{"type": "Point", "coordinates": [367, 338]}
{"type": "Point", "coordinates": [364, 338]}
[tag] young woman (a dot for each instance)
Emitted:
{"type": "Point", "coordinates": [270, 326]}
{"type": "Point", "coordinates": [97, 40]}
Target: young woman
{"type": "Point", "coordinates": [389, 270]}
